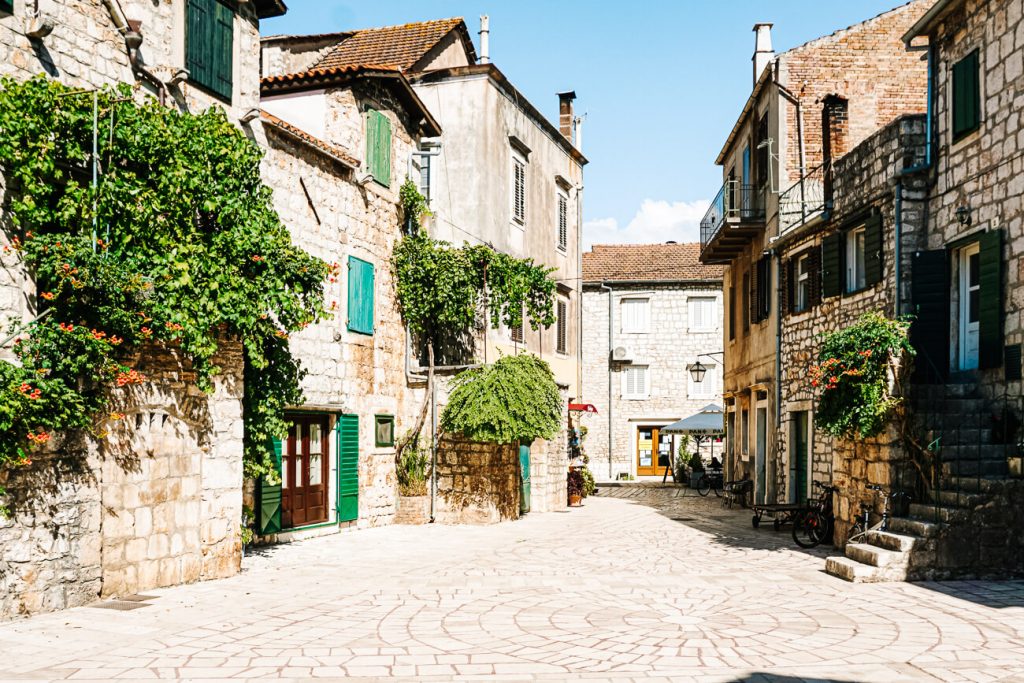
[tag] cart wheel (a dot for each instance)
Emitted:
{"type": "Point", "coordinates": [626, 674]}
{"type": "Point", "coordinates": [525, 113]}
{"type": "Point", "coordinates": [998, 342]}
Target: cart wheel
{"type": "Point", "coordinates": [756, 521]}
{"type": "Point", "coordinates": [777, 524]}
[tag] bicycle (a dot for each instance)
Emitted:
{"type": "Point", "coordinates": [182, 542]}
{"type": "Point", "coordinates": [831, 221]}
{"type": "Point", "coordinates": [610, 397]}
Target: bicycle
{"type": "Point", "coordinates": [861, 522]}
{"type": "Point", "coordinates": [710, 481]}
{"type": "Point", "coordinates": [816, 524]}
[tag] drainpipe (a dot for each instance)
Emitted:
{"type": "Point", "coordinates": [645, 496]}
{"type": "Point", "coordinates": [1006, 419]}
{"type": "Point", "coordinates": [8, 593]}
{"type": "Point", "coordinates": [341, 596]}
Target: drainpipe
{"type": "Point", "coordinates": [433, 448]}
{"type": "Point", "coordinates": [611, 424]}
{"type": "Point", "coordinates": [897, 249]}
{"type": "Point", "coordinates": [778, 338]}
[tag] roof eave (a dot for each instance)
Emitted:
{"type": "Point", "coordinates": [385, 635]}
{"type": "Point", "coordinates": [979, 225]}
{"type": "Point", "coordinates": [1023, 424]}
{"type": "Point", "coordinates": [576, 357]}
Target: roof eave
{"type": "Point", "coordinates": [266, 9]}
{"type": "Point", "coordinates": [929, 19]}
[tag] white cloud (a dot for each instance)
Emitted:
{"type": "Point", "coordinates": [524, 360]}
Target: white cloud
{"type": "Point", "coordinates": [656, 221]}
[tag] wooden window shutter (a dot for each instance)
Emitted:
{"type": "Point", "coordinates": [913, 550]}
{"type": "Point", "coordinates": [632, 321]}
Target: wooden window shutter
{"type": "Point", "coordinates": [832, 265]}
{"type": "Point", "coordinates": [788, 286]}
{"type": "Point", "coordinates": [752, 300]}
{"type": "Point", "coordinates": [563, 223]}
{"type": "Point", "coordinates": [814, 278]}
{"type": "Point", "coordinates": [7, 6]}
{"type": "Point", "coordinates": [268, 509]}
{"type": "Point", "coordinates": [378, 146]}
{"type": "Point", "coordinates": [966, 96]}
{"type": "Point", "coordinates": [198, 34]}
{"type": "Point", "coordinates": [562, 327]}
{"type": "Point", "coordinates": [223, 50]}
{"type": "Point", "coordinates": [990, 313]}
{"type": "Point", "coordinates": [929, 333]}
{"type": "Point", "coordinates": [348, 467]}
{"type": "Point", "coordinates": [873, 260]}
{"type": "Point", "coordinates": [361, 292]}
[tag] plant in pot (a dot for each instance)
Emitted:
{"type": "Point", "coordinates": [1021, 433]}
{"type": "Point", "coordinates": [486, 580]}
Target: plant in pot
{"type": "Point", "coordinates": [696, 469]}
{"type": "Point", "coordinates": [575, 486]}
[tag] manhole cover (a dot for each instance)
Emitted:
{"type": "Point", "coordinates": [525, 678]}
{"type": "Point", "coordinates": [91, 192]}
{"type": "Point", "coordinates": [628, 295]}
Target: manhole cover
{"type": "Point", "coordinates": [120, 605]}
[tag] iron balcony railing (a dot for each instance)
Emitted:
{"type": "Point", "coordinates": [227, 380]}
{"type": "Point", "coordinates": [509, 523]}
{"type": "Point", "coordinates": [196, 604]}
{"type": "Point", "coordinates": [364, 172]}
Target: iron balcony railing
{"type": "Point", "coordinates": [734, 202]}
{"type": "Point", "coordinates": [806, 198]}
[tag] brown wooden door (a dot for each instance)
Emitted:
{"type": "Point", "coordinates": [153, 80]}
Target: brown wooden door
{"type": "Point", "coordinates": [304, 472]}
{"type": "Point", "coordinates": [653, 451]}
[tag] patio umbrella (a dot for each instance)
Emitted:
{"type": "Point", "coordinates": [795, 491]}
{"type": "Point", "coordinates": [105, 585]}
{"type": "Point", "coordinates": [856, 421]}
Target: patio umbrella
{"type": "Point", "coordinates": [708, 422]}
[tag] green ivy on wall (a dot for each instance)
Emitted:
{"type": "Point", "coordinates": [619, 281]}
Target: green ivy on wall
{"type": "Point", "coordinates": [178, 244]}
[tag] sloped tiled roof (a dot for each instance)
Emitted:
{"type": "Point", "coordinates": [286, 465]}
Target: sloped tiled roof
{"type": "Point", "coordinates": [294, 132]}
{"type": "Point", "coordinates": [401, 46]}
{"type": "Point", "coordinates": [647, 262]}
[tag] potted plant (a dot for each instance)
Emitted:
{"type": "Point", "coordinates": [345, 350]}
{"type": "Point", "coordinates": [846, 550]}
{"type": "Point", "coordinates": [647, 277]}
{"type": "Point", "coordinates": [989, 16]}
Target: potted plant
{"type": "Point", "coordinates": [575, 485]}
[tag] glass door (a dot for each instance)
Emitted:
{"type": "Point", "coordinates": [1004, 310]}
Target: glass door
{"type": "Point", "coordinates": [304, 472]}
{"type": "Point", "coordinates": [970, 299]}
{"type": "Point", "coordinates": [649, 452]}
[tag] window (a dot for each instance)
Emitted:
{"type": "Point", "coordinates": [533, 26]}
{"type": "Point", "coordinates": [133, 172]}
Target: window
{"type": "Point", "coordinates": [762, 290]}
{"type": "Point", "coordinates": [518, 189]}
{"type": "Point", "coordinates": [763, 157]}
{"type": "Point", "coordinates": [732, 312]}
{"type": "Point", "coordinates": [803, 284]}
{"type": "Point", "coordinates": [563, 222]}
{"type": "Point", "coordinates": [966, 97]}
{"type": "Point", "coordinates": [701, 310]}
{"type": "Point", "coordinates": [706, 389]}
{"type": "Point", "coordinates": [378, 147]}
{"type": "Point", "coordinates": [424, 183]}
{"type": "Point", "coordinates": [384, 430]}
{"type": "Point", "coordinates": [360, 295]}
{"type": "Point", "coordinates": [746, 302]}
{"type": "Point", "coordinates": [745, 431]}
{"type": "Point", "coordinates": [209, 45]}
{"type": "Point", "coordinates": [635, 382]}
{"type": "Point", "coordinates": [856, 278]}
{"type": "Point", "coordinates": [636, 315]}
{"type": "Point", "coordinates": [730, 432]}
{"type": "Point", "coordinates": [562, 327]}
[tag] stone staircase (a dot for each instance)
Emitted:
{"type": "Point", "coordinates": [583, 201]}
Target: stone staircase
{"type": "Point", "coordinates": [957, 421]}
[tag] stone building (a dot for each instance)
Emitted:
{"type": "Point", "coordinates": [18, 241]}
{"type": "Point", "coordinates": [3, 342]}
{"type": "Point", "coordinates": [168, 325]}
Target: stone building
{"type": "Point", "coordinates": [159, 502]}
{"type": "Point", "coordinates": [775, 164]}
{"type": "Point", "coordinates": [650, 311]}
{"type": "Point", "coordinates": [336, 180]}
{"type": "Point", "coordinates": [500, 174]}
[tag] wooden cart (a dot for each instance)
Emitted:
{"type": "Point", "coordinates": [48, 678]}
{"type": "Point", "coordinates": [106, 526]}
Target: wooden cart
{"type": "Point", "coordinates": [782, 513]}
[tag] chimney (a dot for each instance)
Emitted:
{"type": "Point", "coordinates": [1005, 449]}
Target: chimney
{"type": "Point", "coordinates": [565, 115]}
{"type": "Point", "coordinates": [763, 52]}
{"type": "Point", "coordinates": [485, 39]}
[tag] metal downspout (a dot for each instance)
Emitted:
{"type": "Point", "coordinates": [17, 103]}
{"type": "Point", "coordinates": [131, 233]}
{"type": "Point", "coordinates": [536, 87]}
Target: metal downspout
{"type": "Point", "coordinates": [897, 249]}
{"type": "Point", "coordinates": [611, 424]}
{"type": "Point", "coordinates": [778, 344]}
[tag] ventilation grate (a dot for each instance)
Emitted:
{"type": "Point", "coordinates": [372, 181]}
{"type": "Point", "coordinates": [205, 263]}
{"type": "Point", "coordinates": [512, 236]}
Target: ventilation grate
{"type": "Point", "coordinates": [120, 605]}
{"type": "Point", "coordinates": [1012, 356]}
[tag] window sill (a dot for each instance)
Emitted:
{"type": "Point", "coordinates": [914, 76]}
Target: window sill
{"type": "Point", "coordinates": [965, 139]}
{"type": "Point", "coordinates": [521, 225]}
{"type": "Point", "coordinates": [635, 398]}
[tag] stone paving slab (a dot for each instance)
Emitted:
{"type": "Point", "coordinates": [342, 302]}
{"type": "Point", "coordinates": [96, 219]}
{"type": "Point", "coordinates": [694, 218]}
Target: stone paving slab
{"type": "Point", "coordinates": [641, 584]}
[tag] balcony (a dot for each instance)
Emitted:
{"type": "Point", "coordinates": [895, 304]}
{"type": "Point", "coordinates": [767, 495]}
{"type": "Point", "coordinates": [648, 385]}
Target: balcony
{"type": "Point", "coordinates": [806, 199]}
{"type": "Point", "coordinates": [735, 216]}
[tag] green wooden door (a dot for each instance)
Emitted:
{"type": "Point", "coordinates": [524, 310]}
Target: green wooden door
{"type": "Point", "coordinates": [524, 479]}
{"type": "Point", "coordinates": [990, 310]}
{"type": "Point", "coordinates": [798, 456]}
{"type": "Point", "coordinates": [348, 467]}
{"type": "Point", "coordinates": [268, 508]}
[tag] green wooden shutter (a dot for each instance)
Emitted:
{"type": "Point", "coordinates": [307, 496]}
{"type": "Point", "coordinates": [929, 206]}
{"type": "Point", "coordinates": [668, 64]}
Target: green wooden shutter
{"type": "Point", "coordinates": [209, 45]}
{"type": "Point", "coordinates": [7, 6]}
{"type": "Point", "coordinates": [268, 509]}
{"type": "Point", "coordinates": [378, 146]}
{"type": "Point", "coordinates": [197, 39]}
{"type": "Point", "coordinates": [929, 333]}
{"type": "Point", "coordinates": [348, 467]}
{"type": "Point", "coordinates": [223, 50]}
{"type": "Point", "coordinates": [832, 265]}
{"type": "Point", "coordinates": [990, 312]}
{"type": "Point", "coordinates": [873, 251]}
{"type": "Point", "coordinates": [966, 96]}
{"type": "Point", "coordinates": [360, 296]}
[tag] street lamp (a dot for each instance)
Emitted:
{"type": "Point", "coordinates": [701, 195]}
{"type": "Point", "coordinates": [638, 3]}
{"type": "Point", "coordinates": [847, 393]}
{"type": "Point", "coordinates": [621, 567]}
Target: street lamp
{"type": "Point", "coordinates": [698, 369]}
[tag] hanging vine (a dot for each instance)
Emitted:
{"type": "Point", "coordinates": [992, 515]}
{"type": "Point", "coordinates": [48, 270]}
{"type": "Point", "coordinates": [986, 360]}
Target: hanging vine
{"type": "Point", "coordinates": [178, 244]}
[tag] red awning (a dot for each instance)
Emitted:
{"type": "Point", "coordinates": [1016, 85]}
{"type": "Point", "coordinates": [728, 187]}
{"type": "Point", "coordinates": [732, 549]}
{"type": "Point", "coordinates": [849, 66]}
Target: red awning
{"type": "Point", "coordinates": [582, 407]}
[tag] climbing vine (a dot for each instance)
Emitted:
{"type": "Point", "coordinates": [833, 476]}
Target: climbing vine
{"type": "Point", "coordinates": [178, 244]}
{"type": "Point", "coordinates": [855, 368]}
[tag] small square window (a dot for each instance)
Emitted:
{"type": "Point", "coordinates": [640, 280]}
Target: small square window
{"type": "Point", "coordinates": [635, 382]}
{"type": "Point", "coordinates": [636, 315]}
{"type": "Point", "coordinates": [384, 430]}
{"type": "Point", "coordinates": [702, 313]}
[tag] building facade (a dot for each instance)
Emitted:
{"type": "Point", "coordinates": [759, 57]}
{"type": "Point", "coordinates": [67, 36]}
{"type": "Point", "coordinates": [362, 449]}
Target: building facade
{"type": "Point", "coordinates": [776, 163]}
{"type": "Point", "coordinates": [650, 313]}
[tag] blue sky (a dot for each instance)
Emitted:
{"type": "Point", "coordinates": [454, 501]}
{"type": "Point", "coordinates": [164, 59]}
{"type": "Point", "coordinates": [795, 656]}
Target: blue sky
{"type": "Point", "coordinates": [661, 83]}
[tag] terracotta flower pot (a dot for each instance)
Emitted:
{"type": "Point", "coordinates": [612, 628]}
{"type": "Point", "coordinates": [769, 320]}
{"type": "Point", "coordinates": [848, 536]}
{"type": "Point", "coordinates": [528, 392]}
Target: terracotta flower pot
{"type": "Point", "coordinates": [575, 500]}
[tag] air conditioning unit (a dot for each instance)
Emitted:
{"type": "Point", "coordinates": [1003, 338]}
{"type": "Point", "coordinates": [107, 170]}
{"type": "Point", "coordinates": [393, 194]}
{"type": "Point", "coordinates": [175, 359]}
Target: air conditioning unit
{"type": "Point", "coordinates": [621, 354]}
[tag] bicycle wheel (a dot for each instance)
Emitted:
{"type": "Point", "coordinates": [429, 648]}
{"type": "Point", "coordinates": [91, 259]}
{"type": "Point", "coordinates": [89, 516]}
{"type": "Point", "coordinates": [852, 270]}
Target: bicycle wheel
{"type": "Point", "coordinates": [704, 485]}
{"type": "Point", "coordinates": [809, 529]}
{"type": "Point", "coordinates": [718, 488]}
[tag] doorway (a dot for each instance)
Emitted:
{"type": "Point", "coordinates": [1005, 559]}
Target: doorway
{"type": "Point", "coordinates": [969, 305]}
{"type": "Point", "coordinates": [305, 472]}
{"type": "Point", "coordinates": [653, 451]}
{"type": "Point", "coordinates": [798, 456]}
{"type": "Point", "coordinates": [760, 451]}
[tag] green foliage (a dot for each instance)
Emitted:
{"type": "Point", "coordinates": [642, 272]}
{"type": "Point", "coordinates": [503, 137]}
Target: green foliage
{"type": "Point", "coordinates": [187, 250]}
{"type": "Point", "coordinates": [414, 205]}
{"type": "Point", "coordinates": [575, 482]}
{"type": "Point", "coordinates": [513, 400]}
{"type": "Point", "coordinates": [853, 376]}
{"type": "Point", "coordinates": [412, 470]}
{"type": "Point", "coordinates": [589, 485]}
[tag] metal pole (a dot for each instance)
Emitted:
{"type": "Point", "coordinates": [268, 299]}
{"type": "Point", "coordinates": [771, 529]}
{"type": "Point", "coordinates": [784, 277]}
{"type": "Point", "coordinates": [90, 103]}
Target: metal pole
{"type": "Point", "coordinates": [433, 447]}
{"type": "Point", "coordinates": [36, 319]}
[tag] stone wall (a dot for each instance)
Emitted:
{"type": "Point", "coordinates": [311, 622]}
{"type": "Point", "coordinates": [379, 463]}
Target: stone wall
{"type": "Point", "coordinates": [668, 350]}
{"type": "Point", "coordinates": [549, 466]}
{"type": "Point", "coordinates": [477, 483]}
{"type": "Point", "coordinates": [865, 180]}
{"type": "Point", "coordinates": [156, 502]}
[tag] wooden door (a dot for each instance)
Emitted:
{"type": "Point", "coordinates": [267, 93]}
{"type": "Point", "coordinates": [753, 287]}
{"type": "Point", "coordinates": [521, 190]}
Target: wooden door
{"type": "Point", "coordinates": [305, 469]}
{"type": "Point", "coordinates": [653, 452]}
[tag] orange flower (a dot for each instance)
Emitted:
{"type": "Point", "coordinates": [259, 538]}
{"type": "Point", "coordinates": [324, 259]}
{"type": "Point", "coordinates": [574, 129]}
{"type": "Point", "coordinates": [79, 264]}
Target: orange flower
{"type": "Point", "coordinates": [47, 295]}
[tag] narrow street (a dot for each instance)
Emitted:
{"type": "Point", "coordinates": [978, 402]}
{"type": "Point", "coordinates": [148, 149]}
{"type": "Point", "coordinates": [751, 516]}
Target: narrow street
{"type": "Point", "coordinates": [640, 584]}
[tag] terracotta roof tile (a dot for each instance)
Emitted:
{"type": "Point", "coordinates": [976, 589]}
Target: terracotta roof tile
{"type": "Point", "coordinates": [323, 73]}
{"type": "Point", "coordinates": [401, 46]}
{"type": "Point", "coordinates": [647, 262]}
{"type": "Point", "coordinates": [338, 153]}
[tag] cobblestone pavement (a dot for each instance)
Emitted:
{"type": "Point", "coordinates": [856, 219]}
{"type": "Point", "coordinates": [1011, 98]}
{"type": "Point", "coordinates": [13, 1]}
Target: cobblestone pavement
{"type": "Point", "coordinates": [641, 584]}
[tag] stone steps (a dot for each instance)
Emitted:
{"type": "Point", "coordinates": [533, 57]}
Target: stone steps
{"type": "Point", "coordinates": [884, 555]}
{"type": "Point", "coordinates": [960, 499]}
{"type": "Point", "coordinates": [919, 528]}
{"type": "Point", "coordinates": [978, 468]}
{"type": "Point", "coordinates": [892, 541]}
{"type": "Point", "coordinates": [932, 512]}
{"type": "Point", "coordinates": [858, 572]}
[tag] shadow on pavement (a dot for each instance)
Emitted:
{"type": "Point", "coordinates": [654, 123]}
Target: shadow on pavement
{"type": "Point", "coordinates": [773, 678]}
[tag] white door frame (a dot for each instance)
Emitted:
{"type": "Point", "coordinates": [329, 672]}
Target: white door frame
{"type": "Point", "coordinates": [967, 331]}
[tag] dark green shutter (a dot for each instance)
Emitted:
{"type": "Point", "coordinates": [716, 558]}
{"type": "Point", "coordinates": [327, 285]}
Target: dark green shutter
{"type": "Point", "coordinates": [929, 333]}
{"type": "Point", "coordinates": [966, 96]}
{"type": "Point", "coordinates": [990, 313]}
{"type": "Point", "coordinates": [7, 6]}
{"type": "Point", "coordinates": [873, 251]}
{"type": "Point", "coordinates": [268, 512]}
{"type": "Point", "coordinates": [348, 467]}
{"type": "Point", "coordinates": [832, 265]}
{"type": "Point", "coordinates": [360, 295]}
{"type": "Point", "coordinates": [209, 45]}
